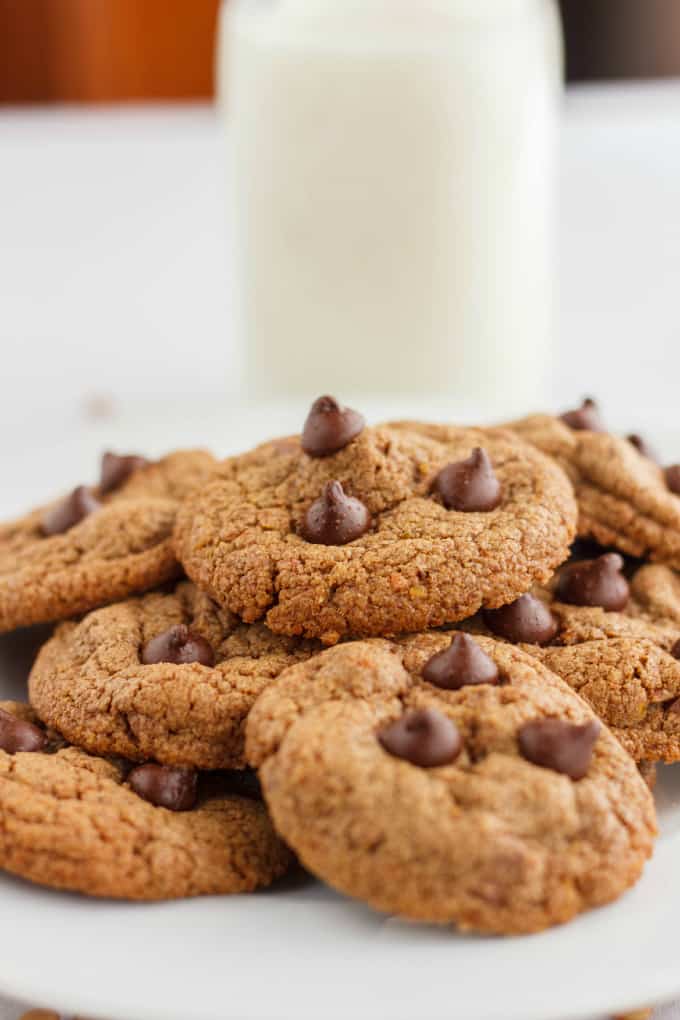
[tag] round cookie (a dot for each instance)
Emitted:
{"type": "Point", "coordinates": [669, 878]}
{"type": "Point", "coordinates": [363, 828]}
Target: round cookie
{"type": "Point", "coordinates": [93, 681]}
{"type": "Point", "coordinates": [624, 498]}
{"type": "Point", "coordinates": [360, 541]}
{"type": "Point", "coordinates": [619, 660]}
{"type": "Point", "coordinates": [427, 800]}
{"type": "Point", "coordinates": [94, 546]}
{"type": "Point", "coordinates": [71, 821]}
{"type": "Point", "coordinates": [632, 685]}
{"type": "Point", "coordinates": [649, 612]}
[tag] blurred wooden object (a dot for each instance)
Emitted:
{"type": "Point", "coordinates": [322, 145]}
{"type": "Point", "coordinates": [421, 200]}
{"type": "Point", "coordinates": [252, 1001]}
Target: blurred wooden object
{"type": "Point", "coordinates": [23, 51]}
{"type": "Point", "coordinates": [106, 50]}
{"type": "Point", "coordinates": [112, 50]}
{"type": "Point", "coordinates": [622, 38]}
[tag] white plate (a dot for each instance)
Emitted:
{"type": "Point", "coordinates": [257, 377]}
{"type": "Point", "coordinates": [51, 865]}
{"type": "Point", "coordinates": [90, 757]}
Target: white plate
{"type": "Point", "coordinates": [299, 951]}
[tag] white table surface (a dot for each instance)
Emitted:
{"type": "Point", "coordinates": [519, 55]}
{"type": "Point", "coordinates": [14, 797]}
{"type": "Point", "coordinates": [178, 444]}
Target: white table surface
{"type": "Point", "coordinates": [115, 283]}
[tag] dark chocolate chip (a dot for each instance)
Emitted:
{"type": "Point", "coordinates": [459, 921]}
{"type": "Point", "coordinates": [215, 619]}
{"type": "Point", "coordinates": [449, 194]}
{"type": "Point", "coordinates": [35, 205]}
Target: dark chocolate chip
{"type": "Point", "coordinates": [329, 427]}
{"type": "Point", "coordinates": [116, 469]}
{"type": "Point", "coordinates": [171, 788]}
{"type": "Point", "coordinates": [559, 745]}
{"type": "Point", "coordinates": [179, 645]}
{"type": "Point", "coordinates": [584, 418]}
{"type": "Point", "coordinates": [18, 735]}
{"type": "Point", "coordinates": [643, 447]}
{"type": "Point", "coordinates": [596, 582]}
{"type": "Point", "coordinates": [461, 664]}
{"type": "Point", "coordinates": [70, 511]}
{"type": "Point", "coordinates": [672, 475]}
{"type": "Point", "coordinates": [335, 518]}
{"type": "Point", "coordinates": [528, 620]}
{"type": "Point", "coordinates": [469, 485]}
{"type": "Point", "coordinates": [424, 737]}
{"type": "Point", "coordinates": [675, 650]}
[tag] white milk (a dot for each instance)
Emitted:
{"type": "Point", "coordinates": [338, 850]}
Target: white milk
{"type": "Point", "coordinates": [394, 182]}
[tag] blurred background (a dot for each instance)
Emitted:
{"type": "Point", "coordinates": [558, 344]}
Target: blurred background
{"type": "Point", "coordinates": [91, 51]}
{"type": "Point", "coordinates": [116, 282]}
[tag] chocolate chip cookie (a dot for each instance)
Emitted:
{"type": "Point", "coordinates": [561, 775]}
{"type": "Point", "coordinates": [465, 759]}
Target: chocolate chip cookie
{"type": "Point", "coordinates": [97, 544]}
{"type": "Point", "coordinates": [352, 531]}
{"type": "Point", "coordinates": [604, 645]}
{"type": "Point", "coordinates": [625, 498]}
{"type": "Point", "coordinates": [590, 600]}
{"type": "Point", "coordinates": [632, 685]}
{"type": "Point", "coordinates": [448, 783]}
{"type": "Point", "coordinates": [91, 825]}
{"type": "Point", "coordinates": [168, 676]}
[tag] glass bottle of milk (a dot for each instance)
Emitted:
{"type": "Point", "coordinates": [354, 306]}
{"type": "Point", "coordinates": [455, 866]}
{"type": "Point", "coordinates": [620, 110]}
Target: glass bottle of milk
{"type": "Point", "coordinates": [395, 179]}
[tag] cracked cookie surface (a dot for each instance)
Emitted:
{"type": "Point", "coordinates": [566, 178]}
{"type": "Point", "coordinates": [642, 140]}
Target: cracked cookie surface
{"type": "Point", "coordinates": [68, 820]}
{"type": "Point", "coordinates": [122, 548]}
{"type": "Point", "coordinates": [621, 662]}
{"type": "Point", "coordinates": [623, 498]}
{"type": "Point", "coordinates": [490, 842]}
{"type": "Point", "coordinates": [632, 685]}
{"type": "Point", "coordinates": [420, 564]}
{"type": "Point", "coordinates": [89, 681]}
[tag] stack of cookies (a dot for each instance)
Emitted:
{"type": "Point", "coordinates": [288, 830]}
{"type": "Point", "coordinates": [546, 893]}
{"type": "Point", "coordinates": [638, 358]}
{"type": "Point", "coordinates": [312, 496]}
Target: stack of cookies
{"type": "Point", "coordinates": [429, 661]}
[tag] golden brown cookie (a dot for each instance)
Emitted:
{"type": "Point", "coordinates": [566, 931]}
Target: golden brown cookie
{"type": "Point", "coordinates": [167, 676]}
{"type": "Point", "coordinates": [500, 806]}
{"type": "Point", "coordinates": [72, 821]}
{"type": "Point", "coordinates": [619, 659]}
{"type": "Point", "coordinates": [655, 598]}
{"type": "Point", "coordinates": [632, 685]}
{"type": "Point", "coordinates": [368, 539]}
{"type": "Point", "coordinates": [96, 545]}
{"type": "Point", "coordinates": [648, 607]}
{"type": "Point", "coordinates": [624, 497]}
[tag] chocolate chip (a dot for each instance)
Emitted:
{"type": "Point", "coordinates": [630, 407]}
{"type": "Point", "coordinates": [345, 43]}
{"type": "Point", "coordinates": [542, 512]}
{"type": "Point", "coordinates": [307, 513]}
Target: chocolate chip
{"type": "Point", "coordinates": [528, 620]}
{"type": "Point", "coordinates": [672, 475]}
{"type": "Point", "coordinates": [329, 427]}
{"type": "Point", "coordinates": [643, 447]}
{"type": "Point", "coordinates": [179, 645]}
{"type": "Point", "coordinates": [675, 650]}
{"type": "Point", "coordinates": [424, 737]}
{"type": "Point", "coordinates": [469, 485]}
{"type": "Point", "coordinates": [171, 788]}
{"type": "Point", "coordinates": [559, 745]}
{"type": "Point", "coordinates": [18, 735]}
{"type": "Point", "coordinates": [584, 418]}
{"type": "Point", "coordinates": [335, 518]}
{"type": "Point", "coordinates": [461, 664]}
{"type": "Point", "coordinates": [116, 469]}
{"type": "Point", "coordinates": [596, 582]}
{"type": "Point", "coordinates": [73, 509]}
